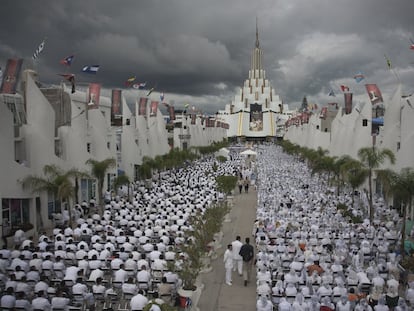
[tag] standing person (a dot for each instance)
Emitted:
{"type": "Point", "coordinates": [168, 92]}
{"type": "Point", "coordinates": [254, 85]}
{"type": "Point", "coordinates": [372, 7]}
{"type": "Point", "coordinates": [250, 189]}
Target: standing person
{"type": "Point", "coordinates": [247, 253]}
{"type": "Point", "coordinates": [237, 259]}
{"type": "Point", "coordinates": [246, 185]}
{"type": "Point", "coordinates": [240, 184]}
{"type": "Point", "coordinates": [228, 264]}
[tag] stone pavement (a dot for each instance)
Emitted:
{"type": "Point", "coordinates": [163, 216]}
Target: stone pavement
{"type": "Point", "coordinates": [216, 295]}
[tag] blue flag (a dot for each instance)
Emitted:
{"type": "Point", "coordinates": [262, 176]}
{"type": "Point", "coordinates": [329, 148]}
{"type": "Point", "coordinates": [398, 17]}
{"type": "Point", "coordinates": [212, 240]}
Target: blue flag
{"type": "Point", "coordinates": [90, 69]}
{"type": "Point", "coordinates": [359, 77]}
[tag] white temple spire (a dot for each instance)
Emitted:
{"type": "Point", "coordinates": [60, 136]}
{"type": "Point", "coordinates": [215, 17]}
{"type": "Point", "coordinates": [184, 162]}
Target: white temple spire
{"type": "Point", "coordinates": [256, 65]}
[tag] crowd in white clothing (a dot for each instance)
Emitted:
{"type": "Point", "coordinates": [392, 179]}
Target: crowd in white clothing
{"type": "Point", "coordinates": [309, 256]}
{"type": "Point", "coordinates": [119, 259]}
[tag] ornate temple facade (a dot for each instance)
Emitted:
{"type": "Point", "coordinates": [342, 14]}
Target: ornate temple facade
{"type": "Point", "coordinates": [256, 112]}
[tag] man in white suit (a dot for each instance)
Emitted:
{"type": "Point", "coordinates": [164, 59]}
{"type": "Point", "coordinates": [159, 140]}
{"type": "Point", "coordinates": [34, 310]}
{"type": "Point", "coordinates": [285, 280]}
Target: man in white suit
{"type": "Point", "coordinates": [237, 259]}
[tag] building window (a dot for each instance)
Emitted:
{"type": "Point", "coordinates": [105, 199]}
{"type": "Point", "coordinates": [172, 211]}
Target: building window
{"type": "Point", "coordinates": [15, 213]}
{"type": "Point", "coordinates": [58, 148]}
{"type": "Point", "coordinates": [398, 145]}
{"type": "Point", "coordinates": [19, 151]}
{"type": "Point", "coordinates": [88, 147]}
{"type": "Point", "coordinates": [108, 145]}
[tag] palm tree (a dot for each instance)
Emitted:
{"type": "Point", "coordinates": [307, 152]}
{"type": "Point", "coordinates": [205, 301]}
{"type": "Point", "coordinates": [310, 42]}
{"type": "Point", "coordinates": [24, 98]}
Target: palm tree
{"type": "Point", "coordinates": [99, 170]}
{"type": "Point", "coordinates": [402, 186]}
{"type": "Point", "coordinates": [372, 158]}
{"type": "Point", "coordinates": [76, 174]}
{"type": "Point", "coordinates": [56, 181]}
{"type": "Point", "coordinates": [120, 181]}
{"type": "Point", "coordinates": [354, 173]}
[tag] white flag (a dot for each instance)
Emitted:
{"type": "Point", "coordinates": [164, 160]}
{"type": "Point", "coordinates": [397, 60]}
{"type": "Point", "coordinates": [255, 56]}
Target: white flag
{"type": "Point", "coordinates": [39, 50]}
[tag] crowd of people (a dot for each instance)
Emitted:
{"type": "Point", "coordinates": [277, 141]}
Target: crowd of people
{"type": "Point", "coordinates": [118, 260]}
{"type": "Point", "coordinates": [306, 255]}
{"type": "Point", "coordinates": [309, 256]}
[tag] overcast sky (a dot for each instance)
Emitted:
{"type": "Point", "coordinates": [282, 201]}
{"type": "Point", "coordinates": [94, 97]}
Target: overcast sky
{"type": "Point", "coordinates": [198, 52]}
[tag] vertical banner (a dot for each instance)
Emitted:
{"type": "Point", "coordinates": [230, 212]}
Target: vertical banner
{"type": "Point", "coordinates": [11, 76]}
{"type": "Point", "coordinates": [142, 108]}
{"type": "Point", "coordinates": [154, 108]}
{"type": "Point", "coordinates": [324, 113]}
{"type": "Point", "coordinates": [256, 118]}
{"type": "Point", "coordinates": [171, 112]}
{"type": "Point", "coordinates": [193, 118]}
{"type": "Point", "coordinates": [116, 108]}
{"type": "Point", "coordinates": [374, 93]}
{"type": "Point", "coordinates": [94, 93]}
{"type": "Point", "coordinates": [348, 102]}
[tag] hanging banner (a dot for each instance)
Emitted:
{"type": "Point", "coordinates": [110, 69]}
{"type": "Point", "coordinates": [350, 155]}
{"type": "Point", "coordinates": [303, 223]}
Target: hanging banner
{"type": "Point", "coordinates": [171, 112]}
{"type": "Point", "coordinates": [142, 111]}
{"type": "Point", "coordinates": [116, 108]}
{"type": "Point", "coordinates": [11, 76]}
{"type": "Point", "coordinates": [348, 102]}
{"type": "Point", "coordinates": [256, 118]}
{"type": "Point", "coordinates": [374, 93]}
{"type": "Point", "coordinates": [94, 94]}
{"type": "Point", "coordinates": [154, 108]}
{"type": "Point", "coordinates": [193, 119]}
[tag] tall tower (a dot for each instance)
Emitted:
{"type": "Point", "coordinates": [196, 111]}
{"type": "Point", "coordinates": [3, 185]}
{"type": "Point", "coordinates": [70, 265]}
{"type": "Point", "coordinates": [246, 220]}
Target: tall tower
{"type": "Point", "coordinates": [256, 64]}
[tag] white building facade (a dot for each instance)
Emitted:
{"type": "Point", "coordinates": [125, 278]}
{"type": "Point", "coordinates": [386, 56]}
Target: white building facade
{"type": "Point", "coordinates": [52, 126]}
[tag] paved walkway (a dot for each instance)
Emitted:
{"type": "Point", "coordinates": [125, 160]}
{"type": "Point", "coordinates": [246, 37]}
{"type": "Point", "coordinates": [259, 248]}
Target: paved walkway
{"type": "Point", "coordinates": [216, 295]}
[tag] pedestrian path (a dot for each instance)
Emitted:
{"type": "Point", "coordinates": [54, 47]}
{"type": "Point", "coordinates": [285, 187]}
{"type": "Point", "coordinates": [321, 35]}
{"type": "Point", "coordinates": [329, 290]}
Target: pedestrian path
{"type": "Point", "coordinates": [216, 295]}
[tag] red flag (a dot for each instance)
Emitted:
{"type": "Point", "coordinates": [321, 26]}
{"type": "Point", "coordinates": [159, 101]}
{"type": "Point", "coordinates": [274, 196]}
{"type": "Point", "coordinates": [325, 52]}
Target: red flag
{"type": "Point", "coordinates": [374, 93]}
{"type": "Point", "coordinates": [67, 61]}
{"type": "Point", "coordinates": [344, 88]}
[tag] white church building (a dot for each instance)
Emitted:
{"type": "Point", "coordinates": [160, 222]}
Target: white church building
{"type": "Point", "coordinates": [256, 113]}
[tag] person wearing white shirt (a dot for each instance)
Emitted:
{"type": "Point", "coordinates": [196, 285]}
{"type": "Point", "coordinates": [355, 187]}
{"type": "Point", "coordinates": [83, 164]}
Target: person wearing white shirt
{"type": "Point", "coordinates": [343, 304]}
{"type": "Point", "coordinates": [60, 302]}
{"type": "Point", "coordinates": [120, 275]}
{"type": "Point", "coordinates": [284, 305]}
{"type": "Point", "coordinates": [40, 302]}
{"type": "Point", "coordinates": [139, 301]}
{"type": "Point", "coordinates": [264, 304]}
{"type": "Point", "coordinates": [95, 274]}
{"type": "Point", "coordinates": [8, 300]}
{"type": "Point", "coordinates": [144, 278]}
{"type": "Point", "coordinates": [237, 259]}
{"type": "Point", "coordinates": [228, 264]}
{"type": "Point", "coordinates": [129, 287]}
{"type": "Point", "coordinates": [98, 287]}
{"type": "Point", "coordinates": [81, 289]}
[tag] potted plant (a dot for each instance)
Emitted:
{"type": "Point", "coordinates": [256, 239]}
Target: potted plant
{"type": "Point", "coordinates": [191, 254]}
{"type": "Point", "coordinates": [163, 307]}
{"type": "Point", "coordinates": [226, 183]}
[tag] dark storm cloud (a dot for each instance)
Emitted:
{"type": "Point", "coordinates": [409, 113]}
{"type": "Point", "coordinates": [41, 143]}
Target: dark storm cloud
{"type": "Point", "coordinates": [199, 51]}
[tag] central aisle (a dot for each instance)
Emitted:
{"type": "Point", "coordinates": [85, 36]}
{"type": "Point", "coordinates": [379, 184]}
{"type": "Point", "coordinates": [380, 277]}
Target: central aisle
{"type": "Point", "coordinates": [216, 295]}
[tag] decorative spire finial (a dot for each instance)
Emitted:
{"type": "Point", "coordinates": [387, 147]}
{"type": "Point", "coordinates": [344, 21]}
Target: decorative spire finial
{"type": "Point", "coordinates": [257, 34]}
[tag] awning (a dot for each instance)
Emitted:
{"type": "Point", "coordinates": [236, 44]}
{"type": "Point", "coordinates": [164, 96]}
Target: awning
{"type": "Point", "coordinates": [378, 121]}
